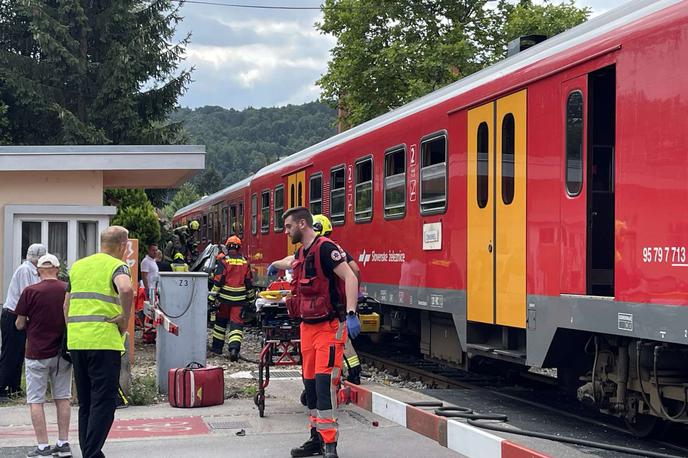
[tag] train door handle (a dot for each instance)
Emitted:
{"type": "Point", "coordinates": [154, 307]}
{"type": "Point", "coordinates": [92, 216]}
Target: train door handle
{"type": "Point", "coordinates": [489, 247]}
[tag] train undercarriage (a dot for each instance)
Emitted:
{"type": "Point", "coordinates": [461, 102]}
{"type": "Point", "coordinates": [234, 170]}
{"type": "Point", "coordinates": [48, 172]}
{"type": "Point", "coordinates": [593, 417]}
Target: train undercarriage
{"type": "Point", "coordinates": [645, 383]}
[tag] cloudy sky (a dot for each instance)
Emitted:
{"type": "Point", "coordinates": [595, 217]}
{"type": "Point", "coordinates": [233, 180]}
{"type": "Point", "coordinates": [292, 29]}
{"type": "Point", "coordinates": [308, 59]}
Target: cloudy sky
{"type": "Point", "coordinates": [261, 57]}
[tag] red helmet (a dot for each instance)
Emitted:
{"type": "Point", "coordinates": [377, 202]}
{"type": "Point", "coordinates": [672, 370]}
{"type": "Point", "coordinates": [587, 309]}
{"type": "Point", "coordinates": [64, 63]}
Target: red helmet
{"type": "Point", "coordinates": [233, 240]}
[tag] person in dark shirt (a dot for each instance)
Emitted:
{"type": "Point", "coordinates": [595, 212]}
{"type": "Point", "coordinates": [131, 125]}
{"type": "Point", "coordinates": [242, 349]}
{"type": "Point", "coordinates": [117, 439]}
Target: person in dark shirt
{"type": "Point", "coordinates": [323, 226]}
{"type": "Point", "coordinates": [40, 312]}
{"type": "Point", "coordinates": [324, 328]}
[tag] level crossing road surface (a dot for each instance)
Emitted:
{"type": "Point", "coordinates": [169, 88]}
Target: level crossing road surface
{"type": "Point", "coordinates": [233, 429]}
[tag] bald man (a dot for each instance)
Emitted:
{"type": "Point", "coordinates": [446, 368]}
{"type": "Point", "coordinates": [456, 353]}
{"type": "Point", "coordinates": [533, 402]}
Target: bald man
{"type": "Point", "coordinates": [97, 309]}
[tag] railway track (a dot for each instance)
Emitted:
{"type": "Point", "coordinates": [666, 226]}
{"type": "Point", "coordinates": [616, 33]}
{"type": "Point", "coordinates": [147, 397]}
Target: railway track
{"type": "Point", "coordinates": [438, 376]}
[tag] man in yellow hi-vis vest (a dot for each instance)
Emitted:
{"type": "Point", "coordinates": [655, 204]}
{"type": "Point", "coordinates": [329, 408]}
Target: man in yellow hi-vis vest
{"type": "Point", "coordinates": [97, 309]}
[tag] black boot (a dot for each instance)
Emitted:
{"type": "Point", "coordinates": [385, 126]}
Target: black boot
{"type": "Point", "coordinates": [312, 447]}
{"type": "Point", "coordinates": [331, 450]}
{"type": "Point", "coordinates": [354, 375]}
{"type": "Point", "coordinates": [234, 354]}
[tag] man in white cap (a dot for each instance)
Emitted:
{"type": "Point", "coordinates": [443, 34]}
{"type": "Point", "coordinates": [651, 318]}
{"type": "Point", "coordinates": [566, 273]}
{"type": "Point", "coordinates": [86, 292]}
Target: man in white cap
{"type": "Point", "coordinates": [13, 340]}
{"type": "Point", "coordinates": [40, 311]}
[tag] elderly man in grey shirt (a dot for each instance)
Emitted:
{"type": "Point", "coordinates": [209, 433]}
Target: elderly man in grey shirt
{"type": "Point", "coordinates": [13, 340]}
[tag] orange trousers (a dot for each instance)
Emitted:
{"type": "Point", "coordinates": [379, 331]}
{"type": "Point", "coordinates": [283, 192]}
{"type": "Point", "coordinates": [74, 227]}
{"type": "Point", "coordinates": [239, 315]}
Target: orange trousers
{"type": "Point", "coordinates": [322, 347]}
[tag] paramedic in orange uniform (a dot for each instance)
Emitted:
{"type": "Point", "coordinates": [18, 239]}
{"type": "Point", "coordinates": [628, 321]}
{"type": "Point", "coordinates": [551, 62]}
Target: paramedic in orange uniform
{"type": "Point", "coordinates": [324, 296]}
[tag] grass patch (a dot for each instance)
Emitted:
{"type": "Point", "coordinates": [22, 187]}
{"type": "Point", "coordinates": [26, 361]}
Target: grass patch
{"type": "Point", "coordinates": [250, 390]}
{"type": "Point", "coordinates": [144, 390]}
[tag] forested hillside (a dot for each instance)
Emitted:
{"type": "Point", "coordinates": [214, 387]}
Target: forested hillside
{"type": "Point", "coordinates": [240, 142]}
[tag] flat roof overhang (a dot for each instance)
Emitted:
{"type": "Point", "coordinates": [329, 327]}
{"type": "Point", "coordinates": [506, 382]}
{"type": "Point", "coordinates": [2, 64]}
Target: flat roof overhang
{"type": "Point", "coordinates": [123, 166]}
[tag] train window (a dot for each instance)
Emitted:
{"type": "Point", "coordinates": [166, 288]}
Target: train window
{"type": "Point", "coordinates": [395, 183]}
{"type": "Point", "coordinates": [433, 174]}
{"type": "Point", "coordinates": [223, 223]}
{"type": "Point", "coordinates": [233, 224]}
{"type": "Point", "coordinates": [364, 190]}
{"type": "Point", "coordinates": [315, 194]}
{"type": "Point", "coordinates": [204, 227]}
{"type": "Point", "coordinates": [240, 220]}
{"type": "Point", "coordinates": [508, 151]}
{"type": "Point", "coordinates": [254, 214]}
{"type": "Point", "coordinates": [483, 163]}
{"type": "Point", "coordinates": [337, 195]}
{"type": "Point", "coordinates": [574, 143]}
{"type": "Point", "coordinates": [279, 208]}
{"type": "Point", "coordinates": [265, 212]}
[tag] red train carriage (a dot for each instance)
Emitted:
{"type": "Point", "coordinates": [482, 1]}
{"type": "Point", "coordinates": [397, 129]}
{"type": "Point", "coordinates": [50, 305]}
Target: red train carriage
{"type": "Point", "coordinates": [532, 212]}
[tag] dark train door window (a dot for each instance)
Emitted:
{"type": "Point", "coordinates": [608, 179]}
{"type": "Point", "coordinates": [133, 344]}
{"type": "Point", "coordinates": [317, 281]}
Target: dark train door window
{"type": "Point", "coordinates": [483, 164]}
{"type": "Point", "coordinates": [574, 143]}
{"type": "Point", "coordinates": [363, 197]}
{"type": "Point", "coordinates": [233, 223]}
{"type": "Point", "coordinates": [315, 194]}
{"type": "Point", "coordinates": [337, 195]}
{"type": "Point", "coordinates": [395, 183]}
{"type": "Point", "coordinates": [241, 220]}
{"type": "Point", "coordinates": [433, 174]}
{"type": "Point", "coordinates": [211, 216]}
{"type": "Point", "coordinates": [508, 151]}
{"type": "Point", "coordinates": [254, 214]}
{"type": "Point", "coordinates": [265, 212]}
{"type": "Point", "coordinates": [279, 208]}
{"type": "Point", "coordinates": [223, 223]}
{"type": "Point", "coordinates": [204, 227]}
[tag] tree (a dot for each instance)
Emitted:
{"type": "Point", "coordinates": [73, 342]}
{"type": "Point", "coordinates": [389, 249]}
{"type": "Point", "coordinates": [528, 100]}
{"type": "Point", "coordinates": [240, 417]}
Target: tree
{"type": "Point", "coordinates": [239, 142]}
{"type": "Point", "coordinates": [390, 52]}
{"type": "Point", "coordinates": [528, 19]}
{"type": "Point", "coordinates": [91, 72]}
{"type": "Point", "coordinates": [208, 181]}
{"type": "Point", "coordinates": [136, 213]}
{"type": "Point", "coordinates": [185, 195]}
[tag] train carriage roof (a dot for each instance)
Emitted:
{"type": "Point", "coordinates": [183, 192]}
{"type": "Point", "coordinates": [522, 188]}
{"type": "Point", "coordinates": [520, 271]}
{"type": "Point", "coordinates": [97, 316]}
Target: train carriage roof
{"type": "Point", "coordinates": [214, 198]}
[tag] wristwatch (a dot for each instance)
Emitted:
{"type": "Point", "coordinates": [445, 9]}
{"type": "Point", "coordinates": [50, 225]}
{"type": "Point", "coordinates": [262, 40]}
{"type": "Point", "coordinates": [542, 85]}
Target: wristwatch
{"type": "Point", "coordinates": [351, 313]}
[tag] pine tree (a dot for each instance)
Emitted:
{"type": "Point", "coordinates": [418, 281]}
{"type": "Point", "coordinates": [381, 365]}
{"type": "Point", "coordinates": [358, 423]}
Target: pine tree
{"type": "Point", "coordinates": [91, 71]}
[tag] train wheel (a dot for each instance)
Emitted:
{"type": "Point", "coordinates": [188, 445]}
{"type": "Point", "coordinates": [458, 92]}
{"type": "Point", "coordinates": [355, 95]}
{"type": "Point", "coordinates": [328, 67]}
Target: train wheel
{"type": "Point", "coordinates": [645, 425]}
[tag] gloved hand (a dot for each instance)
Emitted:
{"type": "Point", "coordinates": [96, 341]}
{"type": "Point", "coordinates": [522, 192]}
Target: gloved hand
{"type": "Point", "coordinates": [272, 271]}
{"type": "Point", "coordinates": [353, 326]}
{"type": "Point", "coordinates": [211, 301]}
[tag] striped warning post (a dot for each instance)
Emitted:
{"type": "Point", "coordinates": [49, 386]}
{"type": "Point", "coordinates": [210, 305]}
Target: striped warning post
{"type": "Point", "coordinates": [455, 435]}
{"type": "Point", "coordinates": [162, 320]}
{"type": "Point", "coordinates": [159, 318]}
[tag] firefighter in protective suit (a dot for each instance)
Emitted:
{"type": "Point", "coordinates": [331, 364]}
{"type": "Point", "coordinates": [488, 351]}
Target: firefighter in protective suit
{"type": "Point", "coordinates": [323, 226]}
{"type": "Point", "coordinates": [179, 263]}
{"type": "Point", "coordinates": [233, 290]}
{"type": "Point", "coordinates": [324, 297]}
{"type": "Point", "coordinates": [183, 241]}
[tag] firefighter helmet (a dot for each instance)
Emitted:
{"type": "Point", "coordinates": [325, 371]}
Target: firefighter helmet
{"type": "Point", "coordinates": [322, 225]}
{"type": "Point", "coordinates": [179, 257]}
{"type": "Point", "coordinates": [233, 240]}
{"type": "Point", "coordinates": [193, 225]}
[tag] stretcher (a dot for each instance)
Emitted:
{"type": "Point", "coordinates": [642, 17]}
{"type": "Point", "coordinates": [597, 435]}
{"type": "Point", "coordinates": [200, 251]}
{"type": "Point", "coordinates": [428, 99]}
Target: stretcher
{"type": "Point", "coordinates": [281, 343]}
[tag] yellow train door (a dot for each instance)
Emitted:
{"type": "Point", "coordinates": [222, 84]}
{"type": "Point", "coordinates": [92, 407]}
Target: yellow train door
{"type": "Point", "coordinates": [496, 203]}
{"type": "Point", "coordinates": [510, 225]}
{"type": "Point", "coordinates": [296, 188]}
{"type": "Point", "coordinates": [480, 272]}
